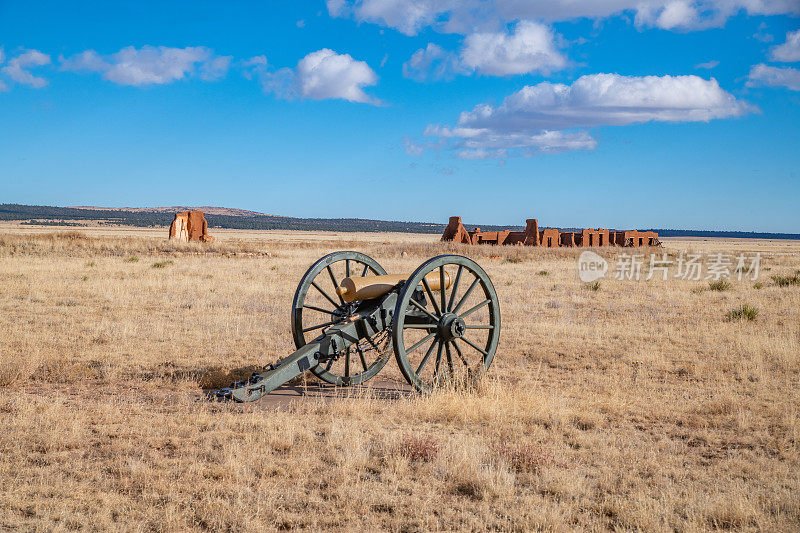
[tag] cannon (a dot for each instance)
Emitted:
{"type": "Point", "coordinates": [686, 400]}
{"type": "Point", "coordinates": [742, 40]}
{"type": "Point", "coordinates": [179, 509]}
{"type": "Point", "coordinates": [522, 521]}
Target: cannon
{"type": "Point", "coordinates": [442, 322]}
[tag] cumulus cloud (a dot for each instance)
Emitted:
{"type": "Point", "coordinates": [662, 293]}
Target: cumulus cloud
{"type": "Point", "coordinates": [326, 74]}
{"type": "Point", "coordinates": [18, 68]}
{"type": "Point", "coordinates": [789, 51]}
{"type": "Point", "coordinates": [320, 75]}
{"type": "Point", "coordinates": [467, 16]}
{"type": "Point", "coordinates": [554, 117]}
{"type": "Point", "coordinates": [150, 65]}
{"type": "Point", "coordinates": [529, 47]}
{"type": "Point", "coordinates": [762, 75]}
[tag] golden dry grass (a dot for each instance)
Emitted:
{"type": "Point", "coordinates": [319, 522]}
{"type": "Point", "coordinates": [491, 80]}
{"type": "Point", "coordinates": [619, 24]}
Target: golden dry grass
{"type": "Point", "coordinates": [101, 355]}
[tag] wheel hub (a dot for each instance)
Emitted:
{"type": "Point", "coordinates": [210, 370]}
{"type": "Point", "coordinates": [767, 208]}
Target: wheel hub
{"type": "Point", "coordinates": [451, 326]}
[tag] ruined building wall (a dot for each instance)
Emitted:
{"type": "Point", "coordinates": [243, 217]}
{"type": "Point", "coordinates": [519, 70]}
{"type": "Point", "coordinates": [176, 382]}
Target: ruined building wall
{"type": "Point", "coordinates": [550, 237]}
{"type": "Point", "coordinates": [190, 226]}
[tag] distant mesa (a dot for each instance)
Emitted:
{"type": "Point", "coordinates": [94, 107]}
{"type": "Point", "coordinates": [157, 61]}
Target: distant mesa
{"type": "Point", "coordinates": [550, 237]}
{"type": "Point", "coordinates": [190, 226]}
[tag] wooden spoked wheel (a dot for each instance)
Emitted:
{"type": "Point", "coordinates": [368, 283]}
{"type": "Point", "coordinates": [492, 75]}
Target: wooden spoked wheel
{"type": "Point", "coordinates": [317, 305]}
{"type": "Point", "coordinates": [448, 336]}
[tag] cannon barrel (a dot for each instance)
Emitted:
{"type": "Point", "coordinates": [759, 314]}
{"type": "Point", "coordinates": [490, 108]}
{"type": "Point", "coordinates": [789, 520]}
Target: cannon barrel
{"type": "Point", "coordinates": [366, 288]}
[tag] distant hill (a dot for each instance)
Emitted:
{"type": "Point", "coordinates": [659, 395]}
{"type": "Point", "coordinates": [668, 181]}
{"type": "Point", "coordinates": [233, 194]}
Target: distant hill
{"type": "Point", "coordinates": [223, 217]}
{"type": "Point", "coordinates": [209, 210]}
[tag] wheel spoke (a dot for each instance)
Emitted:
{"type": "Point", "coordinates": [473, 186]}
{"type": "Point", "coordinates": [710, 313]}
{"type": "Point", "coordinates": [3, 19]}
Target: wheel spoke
{"type": "Point", "coordinates": [455, 288]}
{"type": "Point", "coordinates": [467, 313]}
{"type": "Point", "coordinates": [442, 289]}
{"type": "Point", "coordinates": [430, 295]}
{"type": "Point", "coordinates": [479, 326]}
{"type": "Point", "coordinates": [466, 295]}
{"type": "Point", "coordinates": [347, 268]}
{"type": "Point", "coordinates": [419, 326]}
{"type": "Point", "coordinates": [364, 272]}
{"type": "Point", "coordinates": [460, 355]}
{"type": "Point", "coordinates": [361, 356]}
{"type": "Point", "coordinates": [421, 308]}
{"type": "Point", "coordinates": [449, 358]}
{"type": "Point", "coordinates": [325, 294]}
{"type": "Point", "coordinates": [347, 363]}
{"type": "Point", "coordinates": [321, 310]}
{"type": "Point", "coordinates": [438, 362]}
{"type": "Point", "coordinates": [420, 343]}
{"type": "Point", "coordinates": [335, 284]}
{"type": "Point", "coordinates": [427, 356]}
{"type": "Point", "coordinates": [484, 352]}
{"type": "Point", "coordinates": [312, 328]}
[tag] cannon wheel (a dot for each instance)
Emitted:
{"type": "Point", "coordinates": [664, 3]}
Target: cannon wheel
{"type": "Point", "coordinates": [317, 305]}
{"type": "Point", "coordinates": [451, 336]}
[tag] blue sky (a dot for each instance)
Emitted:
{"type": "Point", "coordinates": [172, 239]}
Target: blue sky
{"type": "Point", "coordinates": [613, 113]}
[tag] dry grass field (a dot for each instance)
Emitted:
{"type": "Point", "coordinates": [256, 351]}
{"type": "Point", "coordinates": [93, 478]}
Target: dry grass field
{"type": "Point", "coordinates": [106, 333]}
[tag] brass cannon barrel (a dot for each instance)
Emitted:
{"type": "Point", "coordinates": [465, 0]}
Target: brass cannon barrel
{"type": "Point", "coordinates": [369, 287]}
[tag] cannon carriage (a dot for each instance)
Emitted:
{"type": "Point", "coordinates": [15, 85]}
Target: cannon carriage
{"type": "Point", "coordinates": [348, 316]}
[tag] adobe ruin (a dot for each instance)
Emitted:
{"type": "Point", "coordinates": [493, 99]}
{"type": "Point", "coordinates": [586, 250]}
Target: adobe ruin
{"type": "Point", "coordinates": [549, 237]}
{"type": "Point", "coordinates": [190, 226]}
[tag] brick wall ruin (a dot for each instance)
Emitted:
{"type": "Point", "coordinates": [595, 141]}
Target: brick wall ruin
{"type": "Point", "coordinates": [190, 226]}
{"type": "Point", "coordinates": [550, 237]}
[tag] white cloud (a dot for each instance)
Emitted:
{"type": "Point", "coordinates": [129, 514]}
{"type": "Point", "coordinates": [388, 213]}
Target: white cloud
{"type": "Point", "coordinates": [708, 65]}
{"type": "Point", "coordinates": [762, 75]}
{"type": "Point", "coordinates": [529, 47]}
{"type": "Point", "coordinates": [326, 74]}
{"type": "Point", "coordinates": [485, 143]}
{"type": "Point", "coordinates": [320, 75]}
{"type": "Point", "coordinates": [18, 68]}
{"type": "Point", "coordinates": [151, 65]}
{"type": "Point", "coordinates": [412, 147]}
{"type": "Point", "coordinates": [789, 51]}
{"type": "Point", "coordinates": [677, 14]}
{"type": "Point", "coordinates": [468, 16]}
{"type": "Point", "coordinates": [215, 68]}
{"type": "Point", "coordinates": [433, 63]}
{"type": "Point", "coordinates": [544, 117]}
{"type": "Point", "coordinates": [610, 99]}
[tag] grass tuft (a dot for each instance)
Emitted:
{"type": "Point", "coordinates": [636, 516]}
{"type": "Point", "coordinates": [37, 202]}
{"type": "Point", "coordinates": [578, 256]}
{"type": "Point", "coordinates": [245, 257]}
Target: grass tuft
{"type": "Point", "coordinates": [423, 448]}
{"type": "Point", "coordinates": [522, 457]}
{"type": "Point", "coordinates": [163, 264]}
{"type": "Point", "coordinates": [132, 259]}
{"type": "Point", "coordinates": [595, 286]}
{"type": "Point", "coordinates": [719, 285]}
{"type": "Point", "coordinates": [787, 281]}
{"type": "Point", "coordinates": [745, 312]}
